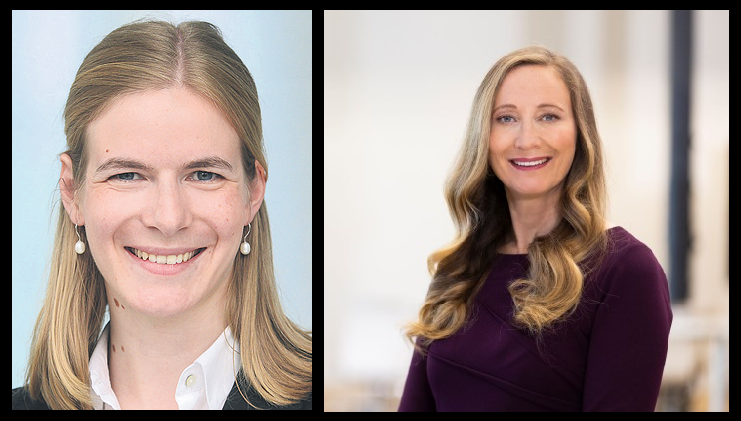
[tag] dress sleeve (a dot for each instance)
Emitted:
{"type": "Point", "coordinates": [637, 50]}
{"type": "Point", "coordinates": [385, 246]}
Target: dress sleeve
{"type": "Point", "coordinates": [417, 395]}
{"type": "Point", "coordinates": [629, 339]}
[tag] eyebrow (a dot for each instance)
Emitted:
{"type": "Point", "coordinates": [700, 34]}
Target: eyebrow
{"type": "Point", "coordinates": [209, 162]}
{"type": "Point", "coordinates": [133, 164]}
{"type": "Point", "coordinates": [539, 106]}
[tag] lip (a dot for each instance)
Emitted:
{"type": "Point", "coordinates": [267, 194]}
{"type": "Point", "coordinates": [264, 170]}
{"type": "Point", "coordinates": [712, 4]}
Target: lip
{"type": "Point", "coordinates": [165, 269]}
{"type": "Point", "coordinates": [165, 251]}
{"type": "Point", "coordinates": [537, 158]}
{"type": "Point", "coordinates": [533, 168]}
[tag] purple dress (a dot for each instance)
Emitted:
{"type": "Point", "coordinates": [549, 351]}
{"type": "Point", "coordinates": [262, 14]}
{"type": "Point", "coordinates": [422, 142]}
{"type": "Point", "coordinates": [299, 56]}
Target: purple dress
{"type": "Point", "coordinates": [608, 355]}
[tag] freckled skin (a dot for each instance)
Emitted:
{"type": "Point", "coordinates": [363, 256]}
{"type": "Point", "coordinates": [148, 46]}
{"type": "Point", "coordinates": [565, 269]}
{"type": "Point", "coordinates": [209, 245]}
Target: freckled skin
{"type": "Point", "coordinates": [164, 206]}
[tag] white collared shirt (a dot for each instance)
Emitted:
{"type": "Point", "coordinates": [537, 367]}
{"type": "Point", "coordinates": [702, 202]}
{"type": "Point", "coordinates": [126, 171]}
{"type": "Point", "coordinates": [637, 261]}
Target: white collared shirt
{"type": "Point", "coordinates": [205, 384]}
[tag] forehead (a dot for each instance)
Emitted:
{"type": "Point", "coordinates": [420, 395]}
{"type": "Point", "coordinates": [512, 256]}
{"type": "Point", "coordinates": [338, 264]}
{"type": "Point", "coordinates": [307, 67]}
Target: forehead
{"type": "Point", "coordinates": [531, 85]}
{"type": "Point", "coordinates": [162, 127]}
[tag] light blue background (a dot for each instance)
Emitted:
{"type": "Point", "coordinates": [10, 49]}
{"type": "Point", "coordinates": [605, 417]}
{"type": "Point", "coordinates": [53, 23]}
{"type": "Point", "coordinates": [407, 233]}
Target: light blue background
{"type": "Point", "coordinates": [48, 48]}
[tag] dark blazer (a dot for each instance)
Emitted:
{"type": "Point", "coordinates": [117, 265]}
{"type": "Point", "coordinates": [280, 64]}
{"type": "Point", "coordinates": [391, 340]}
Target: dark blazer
{"type": "Point", "coordinates": [22, 400]}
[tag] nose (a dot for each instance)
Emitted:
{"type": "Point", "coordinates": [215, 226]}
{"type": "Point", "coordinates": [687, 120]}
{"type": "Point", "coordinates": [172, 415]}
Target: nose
{"type": "Point", "coordinates": [169, 209]}
{"type": "Point", "coordinates": [528, 136]}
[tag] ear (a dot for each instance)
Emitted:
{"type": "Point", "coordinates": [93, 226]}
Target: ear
{"type": "Point", "coordinates": [67, 187]}
{"type": "Point", "coordinates": [257, 191]}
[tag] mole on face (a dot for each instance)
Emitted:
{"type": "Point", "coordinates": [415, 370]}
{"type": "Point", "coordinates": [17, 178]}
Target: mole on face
{"type": "Point", "coordinates": [114, 347]}
{"type": "Point", "coordinates": [122, 348]}
{"type": "Point", "coordinates": [115, 301]}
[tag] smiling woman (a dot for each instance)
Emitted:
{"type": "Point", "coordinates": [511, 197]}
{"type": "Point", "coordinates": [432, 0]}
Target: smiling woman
{"type": "Point", "coordinates": [538, 304]}
{"type": "Point", "coordinates": [164, 181]}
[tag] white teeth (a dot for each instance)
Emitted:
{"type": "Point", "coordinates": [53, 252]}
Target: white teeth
{"type": "Point", "coordinates": [164, 260]}
{"type": "Point", "coordinates": [530, 164]}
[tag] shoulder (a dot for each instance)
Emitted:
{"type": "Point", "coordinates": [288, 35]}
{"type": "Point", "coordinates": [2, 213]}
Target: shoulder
{"type": "Point", "coordinates": [242, 392]}
{"type": "Point", "coordinates": [630, 267]}
{"type": "Point", "coordinates": [627, 253]}
{"type": "Point", "coordinates": [22, 400]}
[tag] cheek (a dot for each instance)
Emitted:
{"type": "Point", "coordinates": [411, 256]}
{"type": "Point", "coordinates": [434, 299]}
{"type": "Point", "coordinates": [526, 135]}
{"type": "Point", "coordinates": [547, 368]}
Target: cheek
{"type": "Point", "coordinates": [568, 148]}
{"type": "Point", "coordinates": [497, 162]}
{"type": "Point", "coordinates": [107, 211]}
{"type": "Point", "coordinates": [225, 214]}
{"type": "Point", "coordinates": [104, 213]}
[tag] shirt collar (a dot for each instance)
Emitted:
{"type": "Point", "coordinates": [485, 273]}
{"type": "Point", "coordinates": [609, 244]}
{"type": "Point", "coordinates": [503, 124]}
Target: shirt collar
{"type": "Point", "coordinates": [215, 371]}
{"type": "Point", "coordinates": [205, 384]}
{"type": "Point", "coordinates": [100, 381]}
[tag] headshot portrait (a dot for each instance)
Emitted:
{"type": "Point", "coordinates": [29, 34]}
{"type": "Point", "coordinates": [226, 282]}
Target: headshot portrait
{"type": "Point", "coordinates": [529, 305]}
{"type": "Point", "coordinates": [163, 287]}
{"type": "Point", "coordinates": [526, 211]}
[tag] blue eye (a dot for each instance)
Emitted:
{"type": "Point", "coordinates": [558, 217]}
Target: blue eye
{"type": "Point", "coordinates": [127, 176]}
{"type": "Point", "coordinates": [206, 176]}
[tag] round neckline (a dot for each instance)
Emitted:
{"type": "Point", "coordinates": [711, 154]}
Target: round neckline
{"type": "Point", "coordinates": [513, 255]}
{"type": "Point", "coordinates": [525, 254]}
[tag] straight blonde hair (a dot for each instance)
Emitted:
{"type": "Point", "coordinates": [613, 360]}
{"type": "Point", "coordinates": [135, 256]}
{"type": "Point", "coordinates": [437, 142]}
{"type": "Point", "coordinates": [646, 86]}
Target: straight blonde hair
{"type": "Point", "coordinates": [477, 201]}
{"type": "Point", "coordinates": [275, 352]}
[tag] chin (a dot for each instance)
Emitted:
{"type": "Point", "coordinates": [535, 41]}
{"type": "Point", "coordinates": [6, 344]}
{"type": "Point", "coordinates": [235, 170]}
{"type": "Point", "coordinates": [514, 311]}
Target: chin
{"type": "Point", "coordinates": [163, 308]}
{"type": "Point", "coordinates": [161, 301]}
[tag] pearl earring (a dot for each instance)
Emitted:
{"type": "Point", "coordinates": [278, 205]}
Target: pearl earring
{"type": "Point", "coordinates": [245, 247]}
{"type": "Point", "coordinates": [79, 246]}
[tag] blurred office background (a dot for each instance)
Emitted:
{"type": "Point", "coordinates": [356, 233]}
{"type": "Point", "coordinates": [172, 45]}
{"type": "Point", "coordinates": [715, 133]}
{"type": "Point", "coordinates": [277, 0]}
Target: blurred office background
{"type": "Point", "coordinates": [398, 88]}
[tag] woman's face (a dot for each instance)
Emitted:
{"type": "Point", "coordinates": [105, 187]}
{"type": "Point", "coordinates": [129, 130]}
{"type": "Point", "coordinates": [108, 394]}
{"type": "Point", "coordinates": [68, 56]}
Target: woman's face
{"type": "Point", "coordinates": [533, 132]}
{"type": "Point", "coordinates": [164, 182]}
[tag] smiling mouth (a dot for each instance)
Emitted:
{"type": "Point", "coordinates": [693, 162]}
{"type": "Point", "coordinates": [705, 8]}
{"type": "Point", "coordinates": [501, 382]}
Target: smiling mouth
{"type": "Point", "coordinates": [530, 163]}
{"type": "Point", "coordinates": [171, 259]}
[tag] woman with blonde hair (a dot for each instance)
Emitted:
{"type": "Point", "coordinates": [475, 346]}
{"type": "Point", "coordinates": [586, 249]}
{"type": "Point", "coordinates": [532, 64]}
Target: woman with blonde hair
{"type": "Point", "coordinates": [538, 304]}
{"type": "Point", "coordinates": [164, 224]}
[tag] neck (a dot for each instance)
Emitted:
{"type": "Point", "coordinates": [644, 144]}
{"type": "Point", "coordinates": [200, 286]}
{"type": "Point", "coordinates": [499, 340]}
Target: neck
{"type": "Point", "coordinates": [146, 355]}
{"type": "Point", "coordinates": [531, 217]}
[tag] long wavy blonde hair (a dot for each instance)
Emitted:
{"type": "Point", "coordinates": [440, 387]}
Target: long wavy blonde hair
{"type": "Point", "coordinates": [476, 198]}
{"type": "Point", "coordinates": [275, 352]}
